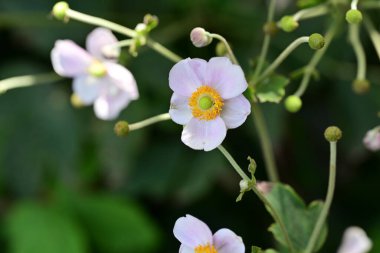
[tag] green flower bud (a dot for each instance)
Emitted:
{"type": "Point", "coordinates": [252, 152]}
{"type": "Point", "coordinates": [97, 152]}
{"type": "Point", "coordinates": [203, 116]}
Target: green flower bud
{"type": "Point", "coordinates": [244, 185]}
{"type": "Point", "coordinates": [288, 24]}
{"type": "Point", "coordinates": [354, 16]}
{"type": "Point", "coordinates": [270, 28]}
{"type": "Point", "coordinates": [220, 49]}
{"type": "Point", "coordinates": [316, 41]}
{"type": "Point", "coordinates": [293, 103]}
{"type": "Point", "coordinates": [59, 10]}
{"type": "Point", "coordinates": [361, 86]}
{"type": "Point", "coordinates": [200, 37]}
{"type": "Point", "coordinates": [333, 134]}
{"type": "Point", "coordinates": [121, 128]}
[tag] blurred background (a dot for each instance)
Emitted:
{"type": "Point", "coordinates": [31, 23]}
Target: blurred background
{"type": "Point", "coordinates": [68, 184]}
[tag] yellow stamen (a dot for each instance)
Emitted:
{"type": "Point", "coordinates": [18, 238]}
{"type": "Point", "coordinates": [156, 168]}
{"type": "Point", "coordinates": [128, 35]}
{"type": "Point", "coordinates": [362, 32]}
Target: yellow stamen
{"type": "Point", "coordinates": [200, 107]}
{"type": "Point", "coordinates": [206, 249]}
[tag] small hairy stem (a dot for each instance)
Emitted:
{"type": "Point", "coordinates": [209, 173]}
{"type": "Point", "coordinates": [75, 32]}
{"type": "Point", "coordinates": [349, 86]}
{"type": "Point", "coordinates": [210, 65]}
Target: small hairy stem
{"type": "Point", "coordinates": [227, 45]}
{"type": "Point", "coordinates": [27, 80]}
{"type": "Point", "coordinates": [149, 121]}
{"type": "Point", "coordinates": [233, 163]}
{"type": "Point", "coordinates": [354, 33]}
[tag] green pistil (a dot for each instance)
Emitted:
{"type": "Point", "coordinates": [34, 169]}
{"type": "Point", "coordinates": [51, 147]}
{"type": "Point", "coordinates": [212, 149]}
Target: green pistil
{"type": "Point", "coordinates": [205, 103]}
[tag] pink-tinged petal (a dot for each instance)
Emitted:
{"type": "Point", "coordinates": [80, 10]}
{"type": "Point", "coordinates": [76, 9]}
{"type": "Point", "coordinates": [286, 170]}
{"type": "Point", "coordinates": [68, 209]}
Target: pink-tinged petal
{"type": "Point", "coordinates": [99, 44]}
{"type": "Point", "coordinates": [122, 78]}
{"type": "Point", "coordinates": [184, 249]}
{"type": "Point", "coordinates": [192, 232]}
{"type": "Point", "coordinates": [372, 139]}
{"type": "Point", "coordinates": [69, 59]}
{"type": "Point", "coordinates": [180, 111]}
{"type": "Point", "coordinates": [108, 107]}
{"type": "Point", "coordinates": [202, 134]}
{"type": "Point", "coordinates": [87, 88]}
{"type": "Point", "coordinates": [235, 111]}
{"type": "Point", "coordinates": [227, 78]}
{"type": "Point", "coordinates": [187, 75]}
{"type": "Point", "coordinates": [226, 241]}
{"type": "Point", "coordinates": [355, 240]}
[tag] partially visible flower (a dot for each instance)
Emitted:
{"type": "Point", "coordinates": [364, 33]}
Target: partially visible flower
{"type": "Point", "coordinates": [355, 240]}
{"type": "Point", "coordinates": [196, 237]}
{"type": "Point", "coordinates": [98, 79]}
{"type": "Point", "coordinates": [372, 139]}
{"type": "Point", "coordinates": [208, 100]}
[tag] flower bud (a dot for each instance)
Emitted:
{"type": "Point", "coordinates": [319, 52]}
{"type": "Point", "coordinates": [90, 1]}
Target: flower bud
{"type": "Point", "coordinates": [150, 21]}
{"type": "Point", "coordinates": [244, 185]}
{"type": "Point", "coordinates": [354, 16]}
{"type": "Point", "coordinates": [316, 41]}
{"type": "Point", "coordinates": [333, 134]}
{"type": "Point", "coordinates": [59, 10]}
{"type": "Point", "coordinates": [270, 28]}
{"type": "Point", "coordinates": [288, 24]}
{"type": "Point", "coordinates": [293, 103]}
{"type": "Point", "coordinates": [372, 139]}
{"type": "Point", "coordinates": [220, 49]}
{"type": "Point", "coordinates": [361, 86]}
{"type": "Point", "coordinates": [200, 37]}
{"type": "Point", "coordinates": [76, 101]}
{"type": "Point", "coordinates": [121, 128]}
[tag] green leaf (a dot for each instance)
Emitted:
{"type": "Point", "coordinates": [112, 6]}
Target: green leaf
{"type": "Point", "coordinates": [116, 225]}
{"type": "Point", "coordinates": [272, 89]}
{"type": "Point", "coordinates": [256, 250]}
{"type": "Point", "coordinates": [298, 219]}
{"type": "Point", "coordinates": [32, 228]}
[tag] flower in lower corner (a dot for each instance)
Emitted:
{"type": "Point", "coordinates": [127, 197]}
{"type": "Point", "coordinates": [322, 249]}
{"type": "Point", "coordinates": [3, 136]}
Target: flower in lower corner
{"type": "Point", "coordinates": [355, 240]}
{"type": "Point", "coordinates": [196, 237]}
{"type": "Point", "coordinates": [98, 79]}
{"type": "Point", "coordinates": [372, 139]}
{"type": "Point", "coordinates": [207, 100]}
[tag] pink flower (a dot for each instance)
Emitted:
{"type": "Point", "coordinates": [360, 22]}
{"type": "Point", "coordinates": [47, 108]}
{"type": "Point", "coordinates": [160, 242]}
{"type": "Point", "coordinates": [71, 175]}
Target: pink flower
{"type": "Point", "coordinates": [208, 100]}
{"type": "Point", "coordinates": [355, 240]}
{"type": "Point", "coordinates": [97, 80]}
{"type": "Point", "coordinates": [196, 237]}
{"type": "Point", "coordinates": [372, 139]}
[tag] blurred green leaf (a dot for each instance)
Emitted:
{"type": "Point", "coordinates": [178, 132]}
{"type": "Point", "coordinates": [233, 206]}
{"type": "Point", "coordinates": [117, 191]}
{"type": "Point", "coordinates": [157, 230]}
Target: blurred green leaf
{"type": "Point", "coordinates": [272, 89]}
{"type": "Point", "coordinates": [299, 219]}
{"type": "Point", "coordinates": [302, 4]}
{"type": "Point", "coordinates": [32, 228]}
{"type": "Point", "coordinates": [255, 249]}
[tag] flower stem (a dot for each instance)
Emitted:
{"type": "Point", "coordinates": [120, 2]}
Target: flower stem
{"type": "Point", "coordinates": [233, 163]}
{"type": "Point", "coordinates": [226, 44]}
{"type": "Point", "coordinates": [163, 50]}
{"type": "Point", "coordinates": [373, 33]}
{"type": "Point", "coordinates": [354, 33]}
{"type": "Point", "coordinates": [149, 121]}
{"type": "Point", "coordinates": [330, 194]}
{"type": "Point", "coordinates": [354, 4]}
{"type": "Point", "coordinates": [27, 80]}
{"type": "Point", "coordinates": [312, 12]}
{"type": "Point", "coordinates": [370, 5]}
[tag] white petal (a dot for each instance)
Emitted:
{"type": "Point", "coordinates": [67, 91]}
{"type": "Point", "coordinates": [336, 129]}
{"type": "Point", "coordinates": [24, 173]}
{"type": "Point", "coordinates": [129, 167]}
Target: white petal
{"type": "Point", "coordinates": [187, 75]}
{"type": "Point", "coordinates": [355, 240]}
{"type": "Point", "coordinates": [184, 249]}
{"type": "Point", "coordinates": [123, 78]}
{"type": "Point", "coordinates": [192, 232]}
{"type": "Point", "coordinates": [87, 88]}
{"type": "Point", "coordinates": [99, 43]}
{"type": "Point", "coordinates": [202, 134]}
{"type": "Point", "coordinates": [226, 241]}
{"type": "Point", "coordinates": [108, 107]}
{"type": "Point", "coordinates": [180, 111]}
{"type": "Point", "coordinates": [69, 59]}
{"type": "Point", "coordinates": [227, 78]}
{"type": "Point", "coordinates": [235, 111]}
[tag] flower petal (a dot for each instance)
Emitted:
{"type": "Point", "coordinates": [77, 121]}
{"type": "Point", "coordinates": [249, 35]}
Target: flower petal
{"type": "Point", "coordinates": [123, 78]}
{"type": "Point", "coordinates": [187, 75]}
{"type": "Point", "coordinates": [227, 78]}
{"type": "Point", "coordinates": [180, 111]}
{"type": "Point", "coordinates": [235, 111]}
{"type": "Point", "coordinates": [226, 241]}
{"type": "Point", "coordinates": [87, 88]}
{"type": "Point", "coordinates": [184, 249]}
{"type": "Point", "coordinates": [372, 139]}
{"type": "Point", "coordinates": [355, 240]}
{"type": "Point", "coordinates": [69, 59]}
{"type": "Point", "coordinates": [99, 44]}
{"type": "Point", "coordinates": [108, 107]}
{"type": "Point", "coordinates": [192, 232]}
{"type": "Point", "coordinates": [202, 134]}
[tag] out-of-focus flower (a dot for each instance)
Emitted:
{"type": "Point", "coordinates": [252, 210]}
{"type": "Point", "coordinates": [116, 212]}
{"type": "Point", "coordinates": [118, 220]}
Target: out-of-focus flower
{"type": "Point", "coordinates": [208, 100]}
{"type": "Point", "coordinates": [372, 139]}
{"type": "Point", "coordinates": [196, 237]}
{"type": "Point", "coordinates": [98, 79]}
{"type": "Point", "coordinates": [355, 240]}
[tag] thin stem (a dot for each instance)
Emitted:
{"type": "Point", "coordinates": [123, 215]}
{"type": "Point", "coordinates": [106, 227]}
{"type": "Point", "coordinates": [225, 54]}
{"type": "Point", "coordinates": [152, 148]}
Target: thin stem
{"type": "Point", "coordinates": [27, 80]}
{"type": "Point", "coordinates": [149, 121]}
{"type": "Point", "coordinates": [373, 33]}
{"type": "Point", "coordinates": [233, 163]}
{"type": "Point", "coordinates": [359, 51]}
{"type": "Point", "coordinates": [265, 142]}
{"type": "Point", "coordinates": [163, 50]}
{"type": "Point", "coordinates": [370, 5]}
{"type": "Point", "coordinates": [354, 4]}
{"type": "Point", "coordinates": [311, 12]}
{"type": "Point", "coordinates": [227, 45]}
{"type": "Point", "coordinates": [283, 56]}
{"type": "Point", "coordinates": [329, 197]}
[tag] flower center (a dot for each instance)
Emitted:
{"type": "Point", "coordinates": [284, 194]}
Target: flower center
{"type": "Point", "coordinates": [206, 104]}
{"type": "Point", "coordinates": [97, 69]}
{"type": "Point", "coordinates": [205, 249]}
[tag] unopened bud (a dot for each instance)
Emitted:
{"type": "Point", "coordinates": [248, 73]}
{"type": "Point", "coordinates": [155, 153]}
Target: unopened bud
{"type": "Point", "coordinates": [333, 134]}
{"type": "Point", "coordinates": [270, 28]}
{"type": "Point", "coordinates": [288, 24]}
{"type": "Point", "coordinates": [151, 21]}
{"type": "Point", "coordinates": [141, 28]}
{"type": "Point", "coordinates": [121, 128]}
{"type": "Point", "coordinates": [221, 49]}
{"type": "Point", "coordinates": [59, 10]}
{"type": "Point", "coordinates": [361, 86]}
{"type": "Point", "coordinates": [354, 16]}
{"type": "Point", "coordinates": [200, 37]}
{"type": "Point", "coordinates": [293, 103]}
{"type": "Point", "coordinates": [316, 41]}
{"type": "Point", "coordinates": [76, 101]}
{"type": "Point", "coordinates": [244, 185]}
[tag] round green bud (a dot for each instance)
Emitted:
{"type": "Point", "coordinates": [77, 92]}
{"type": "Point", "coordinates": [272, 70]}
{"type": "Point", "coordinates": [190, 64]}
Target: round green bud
{"type": "Point", "coordinates": [288, 24]}
{"type": "Point", "coordinates": [205, 103]}
{"type": "Point", "coordinates": [293, 103]}
{"type": "Point", "coordinates": [354, 16]}
{"type": "Point", "coordinates": [333, 134]}
{"type": "Point", "coordinates": [361, 86]}
{"type": "Point", "coordinates": [220, 49]}
{"type": "Point", "coordinates": [316, 41]}
{"type": "Point", "coordinates": [270, 28]}
{"type": "Point", "coordinates": [60, 9]}
{"type": "Point", "coordinates": [121, 128]}
{"type": "Point", "coordinates": [244, 185]}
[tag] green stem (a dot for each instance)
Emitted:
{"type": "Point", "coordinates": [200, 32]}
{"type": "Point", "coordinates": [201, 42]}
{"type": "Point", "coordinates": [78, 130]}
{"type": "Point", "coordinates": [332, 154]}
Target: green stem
{"type": "Point", "coordinates": [354, 34]}
{"type": "Point", "coordinates": [163, 50]}
{"type": "Point", "coordinates": [311, 12]}
{"type": "Point", "coordinates": [373, 33]}
{"type": "Point", "coordinates": [233, 163]}
{"type": "Point", "coordinates": [370, 5]}
{"type": "Point", "coordinates": [27, 80]}
{"type": "Point", "coordinates": [149, 121]}
{"type": "Point", "coordinates": [226, 44]}
{"type": "Point", "coordinates": [326, 207]}
{"type": "Point", "coordinates": [354, 4]}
